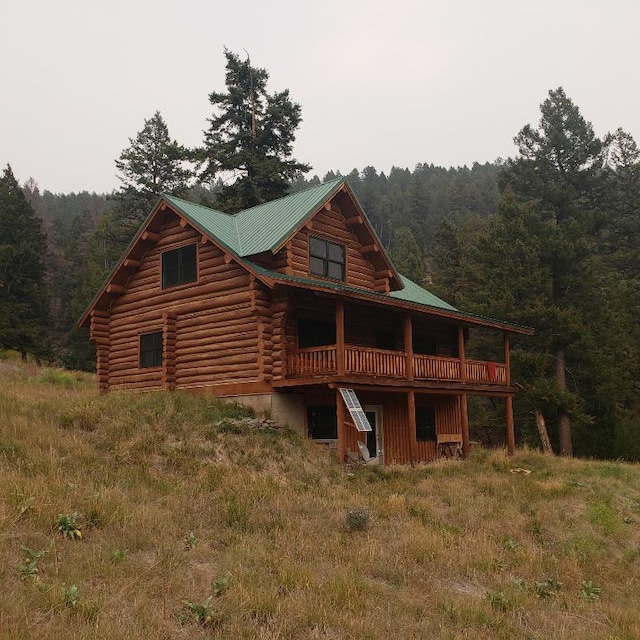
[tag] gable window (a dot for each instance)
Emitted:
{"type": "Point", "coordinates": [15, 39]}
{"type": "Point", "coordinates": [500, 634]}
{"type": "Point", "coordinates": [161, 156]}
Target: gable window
{"type": "Point", "coordinates": [326, 258]}
{"type": "Point", "coordinates": [425, 424]}
{"type": "Point", "coordinates": [179, 266]}
{"type": "Point", "coordinates": [151, 350]}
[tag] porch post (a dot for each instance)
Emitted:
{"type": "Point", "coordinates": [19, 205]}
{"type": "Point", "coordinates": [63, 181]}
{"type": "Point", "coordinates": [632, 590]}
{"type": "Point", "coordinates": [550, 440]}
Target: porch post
{"type": "Point", "coordinates": [511, 434]}
{"type": "Point", "coordinates": [340, 337]}
{"type": "Point", "coordinates": [461, 356]}
{"type": "Point", "coordinates": [465, 425]}
{"type": "Point", "coordinates": [408, 348]}
{"type": "Point", "coordinates": [507, 358]}
{"type": "Point", "coordinates": [340, 416]}
{"type": "Point", "coordinates": [413, 442]}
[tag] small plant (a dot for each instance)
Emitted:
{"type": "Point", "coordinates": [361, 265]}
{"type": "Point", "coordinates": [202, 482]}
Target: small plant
{"type": "Point", "coordinates": [498, 565]}
{"type": "Point", "coordinates": [26, 504]}
{"type": "Point", "coordinates": [70, 596]}
{"type": "Point", "coordinates": [29, 567]}
{"type": "Point", "coordinates": [118, 555]}
{"type": "Point", "coordinates": [589, 591]}
{"type": "Point", "coordinates": [547, 588]}
{"type": "Point", "coordinates": [68, 525]}
{"type": "Point", "coordinates": [498, 600]}
{"type": "Point", "coordinates": [358, 519]}
{"type": "Point", "coordinates": [520, 583]}
{"type": "Point", "coordinates": [203, 614]}
{"type": "Point", "coordinates": [190, 541]}
{"type": "Point", "coordinates": [509, 544]}
{"type": "Point", "coordinates": [220, 585]}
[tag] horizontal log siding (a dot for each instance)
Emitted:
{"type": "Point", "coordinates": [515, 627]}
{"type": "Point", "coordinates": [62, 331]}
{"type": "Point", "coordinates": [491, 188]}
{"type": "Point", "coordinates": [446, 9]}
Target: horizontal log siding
{"type": "Point", "coordinates": [329, 225]}
{"type": "Point", "coordinates": [215, 344]}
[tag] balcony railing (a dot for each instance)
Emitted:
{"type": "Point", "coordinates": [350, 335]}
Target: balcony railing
{"type": "Point", "coordinates": [323, 361]}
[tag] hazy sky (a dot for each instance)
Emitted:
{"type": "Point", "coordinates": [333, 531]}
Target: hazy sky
{"type": "Point", "coordinates": [380, 83]}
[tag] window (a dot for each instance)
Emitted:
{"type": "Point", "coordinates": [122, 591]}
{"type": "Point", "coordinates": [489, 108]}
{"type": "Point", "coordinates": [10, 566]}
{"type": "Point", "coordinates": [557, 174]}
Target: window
{"type": "Point", "coordinates": [322, 422]}
{"type": "Point", "coordinates": [151, 350]}
{"type": "Point", "coordinates": [326, 258]}
{"type": "Point", "coordinates": [425, 424]}
{"type": "Point", "coordinates": [179, 266]}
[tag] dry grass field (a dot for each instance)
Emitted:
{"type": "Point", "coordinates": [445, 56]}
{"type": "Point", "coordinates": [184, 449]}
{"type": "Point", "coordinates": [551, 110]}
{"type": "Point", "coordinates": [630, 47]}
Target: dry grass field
{"type": "Point", "coordinates": [156, 516]}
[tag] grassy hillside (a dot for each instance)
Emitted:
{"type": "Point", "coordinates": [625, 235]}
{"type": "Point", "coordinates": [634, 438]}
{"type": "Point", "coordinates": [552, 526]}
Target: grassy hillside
{"type": "Point", "coordinates": [198, 523]}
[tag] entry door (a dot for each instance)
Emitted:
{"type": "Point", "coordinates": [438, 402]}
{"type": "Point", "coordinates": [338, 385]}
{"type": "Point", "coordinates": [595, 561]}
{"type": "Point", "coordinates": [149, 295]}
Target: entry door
{"type": "Point", "coordinates": [374, 437]}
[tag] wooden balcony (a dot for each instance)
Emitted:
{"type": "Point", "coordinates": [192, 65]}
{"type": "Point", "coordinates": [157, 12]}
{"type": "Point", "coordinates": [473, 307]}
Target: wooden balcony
{"type": "Point", "coordinates": [380, 363]}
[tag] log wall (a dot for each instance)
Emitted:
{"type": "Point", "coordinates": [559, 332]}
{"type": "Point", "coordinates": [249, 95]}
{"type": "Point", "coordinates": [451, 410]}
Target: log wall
{"type": "Point", "coordinates": [215, 330]}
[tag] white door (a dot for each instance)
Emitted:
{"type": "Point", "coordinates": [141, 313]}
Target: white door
{"type": "Point", "coordinates": [375, 437]}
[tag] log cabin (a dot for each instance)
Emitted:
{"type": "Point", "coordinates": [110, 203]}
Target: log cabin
{"type": "Point", "coordinates": [294, 308]}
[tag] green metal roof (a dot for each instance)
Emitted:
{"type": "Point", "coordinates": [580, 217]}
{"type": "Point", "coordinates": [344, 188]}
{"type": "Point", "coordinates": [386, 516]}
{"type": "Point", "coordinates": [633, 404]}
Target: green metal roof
{"type": "Point", "coordinates": [218, 225]}
{"type": "Point", "coordinates": [261, 228]}
{"type": "Point", "coordinates": [266, 226]}
{"type": "Point", "coordinates": [413, 292]}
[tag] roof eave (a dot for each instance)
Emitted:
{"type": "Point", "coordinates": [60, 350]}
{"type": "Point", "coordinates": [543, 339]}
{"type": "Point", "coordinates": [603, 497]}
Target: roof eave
{"type": "Point", "coordinates": [143, 227]}
{"type": "Point", "coordinates": [466, 318]}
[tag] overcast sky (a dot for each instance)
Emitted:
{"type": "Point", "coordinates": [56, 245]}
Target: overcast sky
{"type": "Point", "coordinates": [380, 83]}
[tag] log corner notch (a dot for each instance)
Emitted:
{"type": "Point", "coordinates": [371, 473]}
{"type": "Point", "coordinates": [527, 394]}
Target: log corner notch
{"type": "Point", "coordinates": [150, 236]}
{"type": "Point", "coordinates": [118, 289]}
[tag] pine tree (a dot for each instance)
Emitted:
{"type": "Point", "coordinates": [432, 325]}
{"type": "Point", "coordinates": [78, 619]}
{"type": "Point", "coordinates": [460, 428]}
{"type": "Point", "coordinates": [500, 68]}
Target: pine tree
{"type": "Point", "coordinates": [558, 176]}
{"type": "Point", "coordinates": [407, 256]}
{"type": "Point", "coordinates": [152, 164]}
{"type": "Point", "coordinates": [250, 138]}
{"type": "Point", "coordinates": [24, 304]}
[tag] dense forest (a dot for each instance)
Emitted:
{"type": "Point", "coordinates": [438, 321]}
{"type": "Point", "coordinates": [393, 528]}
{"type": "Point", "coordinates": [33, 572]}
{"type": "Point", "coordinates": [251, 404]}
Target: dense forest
{"type": "Point", "coordinates": [549, 238]}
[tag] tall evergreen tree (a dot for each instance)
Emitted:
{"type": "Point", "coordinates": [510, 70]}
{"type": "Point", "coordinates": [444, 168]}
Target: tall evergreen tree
{"type": "Point", "coordinates": [250, 138]}
{"type": "Point", "coordinates": [152, 164]}
{"type": "Point", "coordinates": [407, 256]}
{"type": "Point", "coordinates": [24, 304]}
{"type": "Point", "coordinates": [558, 174]}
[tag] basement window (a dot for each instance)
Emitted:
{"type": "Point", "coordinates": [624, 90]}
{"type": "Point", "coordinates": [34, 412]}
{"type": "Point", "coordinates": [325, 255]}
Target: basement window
{"type": "Point", "coordinates": [326, 258]}
{"type": "Point", "coordinates": [425, 424]}
{"type": "Point", "coordinates": [151, 350]}
{"type": "Point", "coordinates": [322, 422]}
{"type": "Point", "coordinates": [179, 266]}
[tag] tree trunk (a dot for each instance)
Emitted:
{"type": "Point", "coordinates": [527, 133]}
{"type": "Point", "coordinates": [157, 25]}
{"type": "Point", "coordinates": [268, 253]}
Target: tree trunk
{"type": "Point", "coordinates": [564, 420]}
{"type": "Point", "coordinates": [542, 430]}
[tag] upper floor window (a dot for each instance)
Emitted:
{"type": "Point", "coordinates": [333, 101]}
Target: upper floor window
{"type": "Point", "coordinates": [179, 266]}
{"type": "Point", "coordinates": [326, 258]}
{"type": "Point", "coordinates": [151, 350]}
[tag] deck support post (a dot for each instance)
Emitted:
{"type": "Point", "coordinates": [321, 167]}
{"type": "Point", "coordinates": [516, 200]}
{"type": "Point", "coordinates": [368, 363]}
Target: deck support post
{"type": "Point", "coordinates": [408, 347]}
{"type": "Point", "coordinates": [340, 416]}
{"type": "Point", "coordinates": [507, 359]}
{"type": "Point", "coordinates": [411, 409]}
{"type": "Point", "coordinates": [511, 434]}
{"type": "Point", "coordinates": [464, 414]}
{"type": "Point", "coordinates": [340, 337]}
{"type": "Point", "coordinates": [461, 356]}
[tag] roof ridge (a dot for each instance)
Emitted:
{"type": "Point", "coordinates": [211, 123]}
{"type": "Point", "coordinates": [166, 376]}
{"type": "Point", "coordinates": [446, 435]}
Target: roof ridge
{"type": "Point", "coordinates": [290, 195]}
